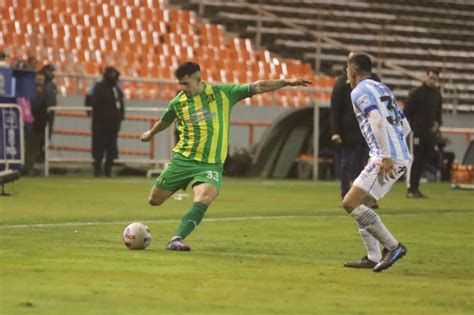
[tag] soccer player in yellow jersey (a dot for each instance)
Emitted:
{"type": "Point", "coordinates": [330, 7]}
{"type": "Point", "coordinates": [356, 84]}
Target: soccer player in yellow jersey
{"type": "Point", "coordinates": [201, 111]}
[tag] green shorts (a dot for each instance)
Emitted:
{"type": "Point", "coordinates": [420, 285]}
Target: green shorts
{"type": "Point", "coordinates": [181, 171]}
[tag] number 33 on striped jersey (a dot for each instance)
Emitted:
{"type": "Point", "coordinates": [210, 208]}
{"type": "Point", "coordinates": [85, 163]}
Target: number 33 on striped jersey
{"type": "Point", "coordinates": [212, 175]}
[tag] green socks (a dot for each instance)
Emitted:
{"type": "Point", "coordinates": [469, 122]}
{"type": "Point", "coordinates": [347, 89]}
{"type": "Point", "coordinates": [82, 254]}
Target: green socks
{"type": "Point", "coordinates": [191, 219]}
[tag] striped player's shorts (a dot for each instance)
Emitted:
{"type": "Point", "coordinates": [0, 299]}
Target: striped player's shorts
{"type": "Point", "coordinates": [181, 171]}
{"type": "Point", "coordinates": [373, 183]}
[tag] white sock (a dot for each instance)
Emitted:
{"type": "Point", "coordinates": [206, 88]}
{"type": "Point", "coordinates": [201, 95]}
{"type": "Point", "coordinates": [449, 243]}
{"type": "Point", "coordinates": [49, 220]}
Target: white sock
{"type": "Point", "coordinates": [370, 221]}
{"type": "Point", "coordinates": [371, 245]}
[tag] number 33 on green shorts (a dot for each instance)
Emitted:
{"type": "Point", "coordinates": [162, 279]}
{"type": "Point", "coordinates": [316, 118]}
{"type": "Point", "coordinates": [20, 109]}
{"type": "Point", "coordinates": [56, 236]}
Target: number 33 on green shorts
{"type": "Point", "coordinates": [180, 172]}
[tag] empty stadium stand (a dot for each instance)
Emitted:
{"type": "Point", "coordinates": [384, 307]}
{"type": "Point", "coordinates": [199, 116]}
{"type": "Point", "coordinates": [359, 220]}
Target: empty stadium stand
{"type": "Point", "coordinates": [412, 34]}
{"type": "Point", "coordinates": [144, 39]}
{"type": "Point", "coordinates": [147, 39]}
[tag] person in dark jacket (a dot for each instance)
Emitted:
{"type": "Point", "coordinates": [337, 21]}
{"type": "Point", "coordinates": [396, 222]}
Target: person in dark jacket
{"type": "Point", "coordinates": [106, 100]}
{"type": "Point", "coordinates": [51, 91]}
{"type": "Point", "coordinates": [423, 109]}
{"type": "Point", "coordinates": [345, 132]}
{"type": "Point", "coordinates": [36, 136]}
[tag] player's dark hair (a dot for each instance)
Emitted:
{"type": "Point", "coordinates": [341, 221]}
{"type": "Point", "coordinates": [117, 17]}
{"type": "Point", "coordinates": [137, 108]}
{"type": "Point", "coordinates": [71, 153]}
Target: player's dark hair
{"type": "Point", "coordinates": [434, 70]}
{"type": "Point", "coordinates": [362, 61]}
{"type": "Point", "coordinates": [186, 68]}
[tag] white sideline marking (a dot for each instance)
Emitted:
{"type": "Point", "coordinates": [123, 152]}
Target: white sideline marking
{"type": "Point", "coordinates": [275, 217]}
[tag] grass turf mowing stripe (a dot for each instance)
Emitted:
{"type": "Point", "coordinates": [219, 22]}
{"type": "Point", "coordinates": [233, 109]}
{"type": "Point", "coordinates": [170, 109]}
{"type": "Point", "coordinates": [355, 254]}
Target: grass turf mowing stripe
{"type": "Point", "coordinates": [281, 217]}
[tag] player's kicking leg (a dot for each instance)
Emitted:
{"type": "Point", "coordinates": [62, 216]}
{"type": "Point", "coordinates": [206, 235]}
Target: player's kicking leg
{"type": "Point", "coordinates": [156, 198]}
{"type": "Point", "coordinates": [204, 194]}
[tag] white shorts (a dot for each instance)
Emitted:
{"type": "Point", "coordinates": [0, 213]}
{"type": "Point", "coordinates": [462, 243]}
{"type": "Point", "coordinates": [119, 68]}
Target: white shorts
{"type": "Point", "coordinates": [375, 185]}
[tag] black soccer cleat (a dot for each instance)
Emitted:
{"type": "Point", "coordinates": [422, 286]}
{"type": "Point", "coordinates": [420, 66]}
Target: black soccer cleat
{"type": "Point", "coordinates": [391, 257]}
{"type": "Point", "coordinates": [364, 263]}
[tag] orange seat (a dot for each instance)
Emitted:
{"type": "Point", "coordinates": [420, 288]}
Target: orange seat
{"type": "Point", "coordinates": [165, 73]}
{"type": "Point", "coordinates": [168, 91]}
{"type": "Point", "coordinates": [318, 81]}
{"type": "Point", "coordinates": [142, 39]}
{"type": "Point", "coordinates": [90, 68]}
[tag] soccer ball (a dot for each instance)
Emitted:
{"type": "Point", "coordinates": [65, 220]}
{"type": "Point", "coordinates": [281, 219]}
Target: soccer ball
{"type": "Point", "coordinates": [137, 236]}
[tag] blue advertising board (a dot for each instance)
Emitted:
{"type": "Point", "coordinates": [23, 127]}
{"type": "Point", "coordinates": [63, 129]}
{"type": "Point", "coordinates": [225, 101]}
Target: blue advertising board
{"type": "Point", "coordinates": [11, 137]}
{"type": "Point", "coordinates": [24, 82]}
{"type": "Point", "coordinates": [16, 83]}
{"type": "Point", "coordinates": [7, 83]}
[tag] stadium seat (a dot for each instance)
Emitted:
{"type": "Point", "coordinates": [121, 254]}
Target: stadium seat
{"type": "Point", "coordinates": [83, 36]}
{"type": "Point", "coordinates": [434, 32]}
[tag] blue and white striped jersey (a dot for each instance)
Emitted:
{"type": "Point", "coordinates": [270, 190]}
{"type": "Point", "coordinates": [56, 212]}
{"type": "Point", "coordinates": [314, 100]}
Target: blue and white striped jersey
{"type": "Point", "coordinates": [370, 95]}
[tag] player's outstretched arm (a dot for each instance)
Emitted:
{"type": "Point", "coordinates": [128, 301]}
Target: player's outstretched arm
{"type": "Point", "coordinates": [157, 127]}
{"type": "Point", "coordinates": [263, 86]}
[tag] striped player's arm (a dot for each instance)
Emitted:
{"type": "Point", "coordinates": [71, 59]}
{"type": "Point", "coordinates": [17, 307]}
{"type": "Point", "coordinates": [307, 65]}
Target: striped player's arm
{"type": "Point", "coordinates": [377, 122]}
{"type": "Point", "coordinates": [157, 127]}
{"type": "Point", "coordinates": [263, 86]}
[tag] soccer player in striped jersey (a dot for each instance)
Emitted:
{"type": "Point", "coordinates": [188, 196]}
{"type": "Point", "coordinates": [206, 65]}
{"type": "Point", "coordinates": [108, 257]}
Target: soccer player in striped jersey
{"type": "Point", "coordinates": [202, 113]}
{"type": "Point", "coordinates": [384, 127]}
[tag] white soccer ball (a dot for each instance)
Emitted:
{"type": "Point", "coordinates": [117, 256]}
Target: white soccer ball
{"type": "Point", "coordinates": [137, 236]}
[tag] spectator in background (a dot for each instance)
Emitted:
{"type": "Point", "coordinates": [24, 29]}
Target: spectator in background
{"type": "Point", "coordinates": [36, 136]}
{"type": "Point", "coordinates": [106, 100]}
{"type": "Point", "coordinates": [3, 60]}
{"type": "Point", "coordinates": [27, 117]}
{"type": "Point", "coordinates": [25, 104]}
{"type": "Point", "coordinates": [31, 63]}
{"type": "Point", "coordinates": [51, 92]}
{"type": "Point", "coordinates": [423, 109]}
{"type": "Point", "coordinates": [345, 133]}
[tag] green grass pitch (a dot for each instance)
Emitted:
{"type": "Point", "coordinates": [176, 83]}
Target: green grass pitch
{"type": "Point", "coordinates": [266, 247]}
